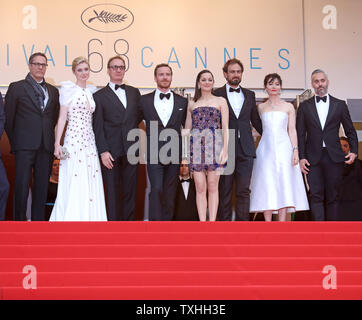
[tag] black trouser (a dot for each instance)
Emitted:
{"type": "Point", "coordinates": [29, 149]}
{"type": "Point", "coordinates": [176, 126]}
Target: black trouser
{"type": "Point", "coordinates": [121, 180]}
{"type": "Point", "coordinates": [324, 180]}
{"type": "Point", "coordinates": [40, 162]}
{"type": "Point", "coordinates": [163, 179]}
{"type": "Point", "coordinates": [242, 177]}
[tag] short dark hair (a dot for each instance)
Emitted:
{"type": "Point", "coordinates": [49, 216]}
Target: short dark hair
{"type": "Point", "coordinates": [160, 66]}
{"type": "Point", "coordinates": [271, 77]}
{"type": "Point", "coordinates": [114, 58]}
{"type": "Point", "coordinates": [36, 54]}
{"type": "Point", "coordinates": [343, 139]}
{"type": "Point", "coordinates": [230, 62]}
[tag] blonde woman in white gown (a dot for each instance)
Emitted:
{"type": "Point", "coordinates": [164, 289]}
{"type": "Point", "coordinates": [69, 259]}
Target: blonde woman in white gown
{"type": "Point", "coordinates": [277, 183]}
{"type": "Point", "coordinates": [80, 195]}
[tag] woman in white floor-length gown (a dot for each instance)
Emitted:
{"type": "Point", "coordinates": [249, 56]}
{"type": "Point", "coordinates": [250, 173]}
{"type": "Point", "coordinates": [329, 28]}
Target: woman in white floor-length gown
{"type": "Point", "coordinates": [277, 183]}
{"type": "Point", "coordinates": [80, 195]}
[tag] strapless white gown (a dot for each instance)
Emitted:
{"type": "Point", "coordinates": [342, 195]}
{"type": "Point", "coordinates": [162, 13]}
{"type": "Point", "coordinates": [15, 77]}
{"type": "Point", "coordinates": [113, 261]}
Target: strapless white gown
{"type": "Point", "coordinates": [275, 182]}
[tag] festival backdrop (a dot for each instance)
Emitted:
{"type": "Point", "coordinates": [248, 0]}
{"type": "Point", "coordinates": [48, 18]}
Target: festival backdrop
{"type": "Point", "coordinates": [267, 36]}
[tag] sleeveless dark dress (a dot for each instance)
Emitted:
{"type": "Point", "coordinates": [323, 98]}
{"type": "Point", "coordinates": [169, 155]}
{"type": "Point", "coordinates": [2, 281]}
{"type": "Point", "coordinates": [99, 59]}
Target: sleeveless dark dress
{"type": "Point", "coordinates": [206, 140]}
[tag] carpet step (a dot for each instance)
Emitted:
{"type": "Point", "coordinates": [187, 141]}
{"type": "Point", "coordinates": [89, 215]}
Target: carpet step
{"type": "Point", "coordinates": [180, 278]}
{"type": "Point", "coordinates": [145, 238]}
{"type": "Point", "coordinates": [181, 260]}
{"type": "Point", "coordinates": [250, 292]}
{"type": "Point", "coordinates": [181, 264]}
{"type": "Point", "coordinates": [181, 226]}
{"type": "Point", "coordinates": [82, 251]}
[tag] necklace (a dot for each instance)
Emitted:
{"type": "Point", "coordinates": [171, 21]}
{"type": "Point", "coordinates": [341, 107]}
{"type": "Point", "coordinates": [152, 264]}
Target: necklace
{"type": "Point", "coordinates": [273, 106]}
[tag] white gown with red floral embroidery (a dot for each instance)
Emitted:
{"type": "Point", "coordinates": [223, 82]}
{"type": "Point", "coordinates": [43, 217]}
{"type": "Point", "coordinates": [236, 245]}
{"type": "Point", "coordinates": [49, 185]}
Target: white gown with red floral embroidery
{"type": "Point", "coordinates": [80, 194]}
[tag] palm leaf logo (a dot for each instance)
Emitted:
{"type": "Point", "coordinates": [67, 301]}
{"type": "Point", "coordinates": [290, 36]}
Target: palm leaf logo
{"type": "Point", "coordinates": [108, 17]}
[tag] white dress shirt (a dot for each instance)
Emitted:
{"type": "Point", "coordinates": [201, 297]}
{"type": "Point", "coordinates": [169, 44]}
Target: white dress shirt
{"type": "Point", "coordinates": [185, 188]}
{"type": "Point", "coordinates": [236, 100]}
{"type": "Point", "coordinates": [121, 94]}
{"type": "Point", "coordinates": [164, 107]}
{"type": "Point", "coordinates": [322, 110]}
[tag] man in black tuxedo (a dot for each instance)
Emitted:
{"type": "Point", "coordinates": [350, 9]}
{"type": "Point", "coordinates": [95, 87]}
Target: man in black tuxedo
{"type": "Point", "coordinates": [242, 111]}
{"type": "Point", "coordinates": [117, 112]}
{"type": "Point", "coordinates": [163, 109]}
{"type": "Point", "coordinates": [185, 204]}
{"type": "Point", "coordinates": [320, 153]}
{"type": "Point", "coordinates": [32, 108]}
{"type": "Point", "coordinates": [4, 183]}
{"type": "Point", "coordinates": [350, 190]}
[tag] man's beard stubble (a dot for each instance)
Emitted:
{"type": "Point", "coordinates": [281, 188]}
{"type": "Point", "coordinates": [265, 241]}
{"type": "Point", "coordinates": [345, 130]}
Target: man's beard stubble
{"type": "Point", "coordinates": [234, 82]}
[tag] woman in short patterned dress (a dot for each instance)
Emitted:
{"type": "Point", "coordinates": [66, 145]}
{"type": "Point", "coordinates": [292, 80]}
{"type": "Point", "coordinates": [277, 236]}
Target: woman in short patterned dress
{"type": "Point", "coordinates": [206, 116]}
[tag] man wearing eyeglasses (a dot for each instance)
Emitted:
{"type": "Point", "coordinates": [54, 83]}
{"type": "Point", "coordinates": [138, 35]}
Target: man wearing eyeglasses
{"type": "Point", "coordinates": [117, 112]}
{"type": "Point", "coordinates": [31, 108]}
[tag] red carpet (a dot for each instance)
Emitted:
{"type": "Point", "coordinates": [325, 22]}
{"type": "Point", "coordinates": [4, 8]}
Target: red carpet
{"type": "Point", "coordinates": [181, 260]}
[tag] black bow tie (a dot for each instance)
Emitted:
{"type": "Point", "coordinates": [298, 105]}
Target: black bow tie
{"type": "Point", "coordinates": [324, 99]}
{"type": "Point", "coordinates": [163, 95]}
{"type": "Point", "coordinates": [234, 90]}
{"type": "Point", "coordinates": [122, 86]}
{"type": "Point", "coordinates": [185, 180]}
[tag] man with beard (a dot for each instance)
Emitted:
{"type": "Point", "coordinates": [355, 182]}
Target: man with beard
{"type": "Point", "coordinates": [163, 109]}
{"type": "Point", "coordinates": [320, 153]}
{"type": "Point", "coordinates": [242, 111]}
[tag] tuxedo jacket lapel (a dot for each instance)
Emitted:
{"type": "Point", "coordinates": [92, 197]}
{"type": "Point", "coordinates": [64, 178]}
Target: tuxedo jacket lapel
{"type": "Point", "coordinates": [246, 101]}
{"type": "Point", "coordinates": [129, 99]}
{"type": "Point", "coordinates": [314, 112]}
{"type": "Point", "coordinates": [153, 110]}
{"type": "Point", "coordinates": [331, 110]}
{"type": "Point", "coordinates": [224, 94]}
{"type": "Point", "coordinates": [113, 97]}
{"type": "Point", "coordinates": [30, 91]}
{"type": "Point", "coordinates": [231, 111]}
{"type": "Point", "coordinates": [174, 111]}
